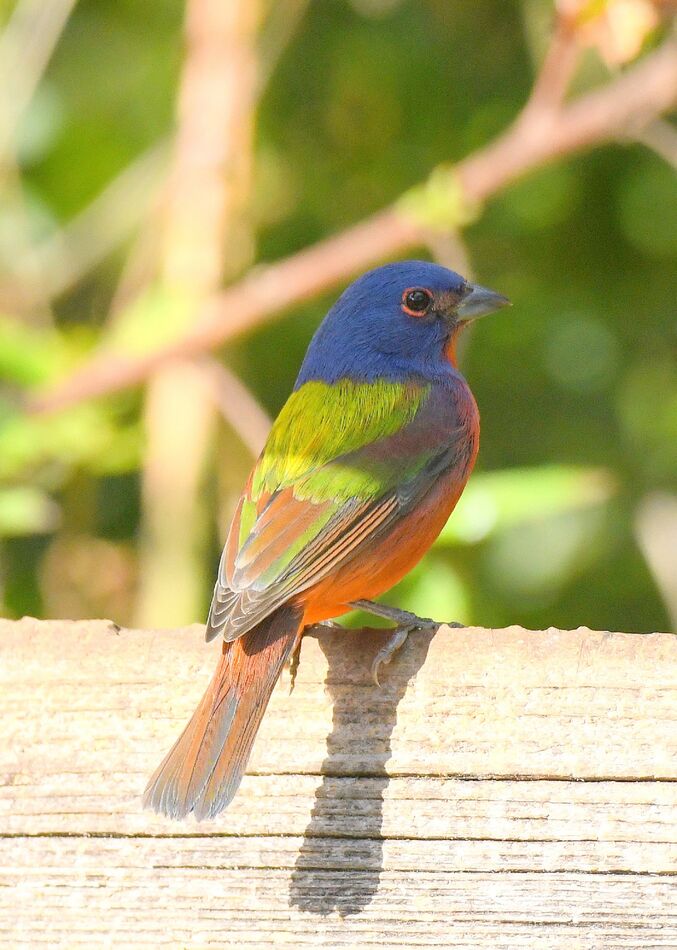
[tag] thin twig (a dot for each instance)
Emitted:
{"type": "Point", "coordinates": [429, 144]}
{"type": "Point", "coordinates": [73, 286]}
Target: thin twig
{"type": "Point", "coordinates": [65, 256]}
{"type": "Point", "coordinates": [631, 100]}
{"type": "Point", "coordinates": [449, 249]}
{"type": "Point", "coordinates": [661, 137]}
{"type": "Point", "coordinates": [556, 72]}
{"type": "Point", "coordinates": [656, 532]}
{"type": "Point", "coordinates": [634, 98]}
{"type": "Point", "coordinates": [26, 46]}
{"type": "Point", "coordinates": [237, 405]}
{"type": "Point", "coordinates": [281, 24]}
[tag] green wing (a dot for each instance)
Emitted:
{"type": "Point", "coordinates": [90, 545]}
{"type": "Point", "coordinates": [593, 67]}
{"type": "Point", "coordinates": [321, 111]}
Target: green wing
{"type": "Point", "coordinates": [337, 468]}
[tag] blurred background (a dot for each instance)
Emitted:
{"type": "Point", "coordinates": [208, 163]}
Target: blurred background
{"type": "Point", "coordinates": [151, 154]}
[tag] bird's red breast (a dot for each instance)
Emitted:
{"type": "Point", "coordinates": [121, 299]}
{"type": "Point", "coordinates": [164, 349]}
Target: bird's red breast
{"type": "Point", "coordinates": [390, 556]}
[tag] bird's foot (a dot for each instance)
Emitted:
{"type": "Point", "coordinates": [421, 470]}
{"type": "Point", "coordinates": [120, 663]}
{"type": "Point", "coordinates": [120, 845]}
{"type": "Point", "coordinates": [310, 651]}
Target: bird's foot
{"type": "Point", "coordinates": [407, 623]}
{"type": "Point", "coordinates": [395, 642]}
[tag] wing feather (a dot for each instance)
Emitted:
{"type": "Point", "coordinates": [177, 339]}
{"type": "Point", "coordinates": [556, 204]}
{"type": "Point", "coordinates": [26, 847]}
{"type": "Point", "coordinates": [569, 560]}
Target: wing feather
{"type": "Point", "coordinates": [299, 533]}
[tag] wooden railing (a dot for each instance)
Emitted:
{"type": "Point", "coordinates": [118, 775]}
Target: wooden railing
{"type": "Point", "coordinates": [504, 789]}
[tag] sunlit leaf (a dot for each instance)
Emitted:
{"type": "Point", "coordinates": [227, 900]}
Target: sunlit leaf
{"type": "Point", "coordinates": [156, 316]}
{"type": "Point", "coordinates": [530, 562]}
{"type": "Point", "coordinates": [617, 28]}
{"type": "Point", "coordinates": [434, 589]}
{"type": "Point", "coordinates": [31, 355]}
{"type": "Point", "coordinates": [26, 510]}
{"type": "Point", "coordinates": [494, 501]}
{"type": "Point", "coordinates": [88, 436]}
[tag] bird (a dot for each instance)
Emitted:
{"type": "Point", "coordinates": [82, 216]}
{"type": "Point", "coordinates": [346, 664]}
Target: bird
{"type": "Point", "coordinates": [361, 470]}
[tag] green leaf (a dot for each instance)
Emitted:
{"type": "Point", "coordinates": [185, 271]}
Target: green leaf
{"type": "Point", "coordinates": [26, 510]}
{"type": "Point", "coordinates": [157, 316]}
{"type": "Point", "coordinates": [433, 589]}
{"type": "Point", "coordinates": [494, 501]}
{"type": "Point", "coordinates": [31, 355]}
{"type": "Point", "coordinates": [440, 203]}
{"type": "Point", "coordinates": [88, 435]}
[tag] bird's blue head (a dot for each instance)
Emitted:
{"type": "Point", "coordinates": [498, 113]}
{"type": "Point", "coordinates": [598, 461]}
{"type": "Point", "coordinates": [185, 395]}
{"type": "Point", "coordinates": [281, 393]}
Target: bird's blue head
{"type": "Point", "coordinates": [396, 322]}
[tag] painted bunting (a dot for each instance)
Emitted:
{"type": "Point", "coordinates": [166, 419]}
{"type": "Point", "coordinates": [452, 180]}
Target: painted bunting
{"type": "Point", "coordinates": [362, 468]}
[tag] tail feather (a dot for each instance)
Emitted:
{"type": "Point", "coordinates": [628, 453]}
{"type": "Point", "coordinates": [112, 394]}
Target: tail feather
{"type": "Point", "coordinates": [202, 771]}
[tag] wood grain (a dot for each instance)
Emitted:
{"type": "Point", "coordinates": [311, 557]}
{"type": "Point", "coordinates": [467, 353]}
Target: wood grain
{"type": "Point", "coordinates": [505, 789]}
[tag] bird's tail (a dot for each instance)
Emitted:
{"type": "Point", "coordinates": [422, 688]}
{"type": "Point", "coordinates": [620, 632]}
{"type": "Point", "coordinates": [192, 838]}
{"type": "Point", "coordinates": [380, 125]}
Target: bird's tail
{"type": "Point", "coordinates": [203, 770]}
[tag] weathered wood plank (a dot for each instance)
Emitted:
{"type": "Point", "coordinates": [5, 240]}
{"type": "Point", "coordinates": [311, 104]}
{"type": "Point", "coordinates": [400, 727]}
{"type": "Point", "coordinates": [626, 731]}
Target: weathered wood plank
{"type": "Point", "coordinates": [505, 789]}
{"type": "Point", "coordinates": [503, 703]}
{"type": "Point", "coordinates": [612, 813]}
{"type": "Point", "coordinates": [154, 893]}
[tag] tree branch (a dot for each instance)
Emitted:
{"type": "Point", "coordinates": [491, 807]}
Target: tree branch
{"type": "Point", "coordinates": [65, 256]}
{"type": "Point", "coordinates": [237, 405]}
{"type": "Point", "coordinates": [538, 136]}
{"type": "Point", "coordinates": [552, 81]}
{"type": "Point", "coordinates": [204, 203]}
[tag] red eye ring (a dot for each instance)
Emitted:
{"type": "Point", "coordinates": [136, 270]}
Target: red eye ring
{"type": "Point", "coordinates": [416, 301]}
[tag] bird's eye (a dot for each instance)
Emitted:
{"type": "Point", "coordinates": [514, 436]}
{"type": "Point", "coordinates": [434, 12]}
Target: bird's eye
{"type": "Point", "coordinates": [416, 301]}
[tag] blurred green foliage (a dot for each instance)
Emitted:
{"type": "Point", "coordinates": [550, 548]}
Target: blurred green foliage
{"type": "Point", "coordinates": [576, 384]}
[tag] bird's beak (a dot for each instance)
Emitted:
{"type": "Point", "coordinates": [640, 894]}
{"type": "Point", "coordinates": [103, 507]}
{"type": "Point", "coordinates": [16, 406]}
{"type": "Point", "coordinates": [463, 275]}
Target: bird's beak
{"type": "Point", "coordinates": [479, 302]}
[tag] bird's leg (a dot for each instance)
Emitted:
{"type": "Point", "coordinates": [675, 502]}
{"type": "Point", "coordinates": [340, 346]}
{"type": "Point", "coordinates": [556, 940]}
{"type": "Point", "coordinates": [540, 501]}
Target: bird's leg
{"type": "Point", "coordinates": [294, 665]}
{"type": "Point", "coordinates": [337, 627]}
{"type": "Point", "coordinates": [293, 661]}
{"type": "Point", "coordinates": [406, 623]}
{"type": "Point", "coordinates": [395, 642]}
{"type": "Point", "coordinates": [403, 618]}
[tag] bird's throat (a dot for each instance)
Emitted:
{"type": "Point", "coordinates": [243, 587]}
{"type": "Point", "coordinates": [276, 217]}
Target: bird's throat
{"type": "Point", "coordinates": [450, 347]}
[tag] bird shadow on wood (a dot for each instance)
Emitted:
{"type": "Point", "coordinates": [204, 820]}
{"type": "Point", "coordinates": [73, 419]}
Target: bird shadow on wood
{"type": "Point", "coordinates": [341, 858]}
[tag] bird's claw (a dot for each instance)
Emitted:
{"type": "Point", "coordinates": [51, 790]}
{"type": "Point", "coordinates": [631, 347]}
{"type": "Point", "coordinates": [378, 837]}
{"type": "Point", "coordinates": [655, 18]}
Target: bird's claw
{"type": "Point", "coordinates": [398, 638]}
{"type": "Point", "coordinates": [395, 642]}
